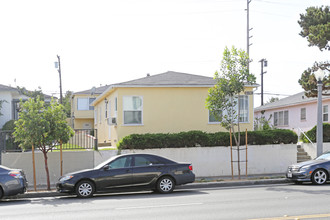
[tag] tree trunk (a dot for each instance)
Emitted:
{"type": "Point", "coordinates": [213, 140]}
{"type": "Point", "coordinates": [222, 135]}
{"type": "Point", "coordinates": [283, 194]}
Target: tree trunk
{"type": "Point", "coordinates": [46, 168]}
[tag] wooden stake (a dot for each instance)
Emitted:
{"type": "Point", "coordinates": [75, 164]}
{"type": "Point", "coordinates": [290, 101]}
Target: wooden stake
{"type": "Point", "coordinates": [246, 153]}
{"type": "Point", "coordinates": [231, 155]}
{"type": "Point", "coordinates": [34, 169]}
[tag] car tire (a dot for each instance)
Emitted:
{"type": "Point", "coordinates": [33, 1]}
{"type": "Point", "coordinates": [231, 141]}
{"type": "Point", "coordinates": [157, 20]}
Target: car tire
{"type": "Point", "coordinates": [1, 193]}
{"type": "Point", "coordinates": [165, 184]}
{"type": "Point", "coordinates": [85, 189]}
{"type": "Point", "coordinates": [319, 177]}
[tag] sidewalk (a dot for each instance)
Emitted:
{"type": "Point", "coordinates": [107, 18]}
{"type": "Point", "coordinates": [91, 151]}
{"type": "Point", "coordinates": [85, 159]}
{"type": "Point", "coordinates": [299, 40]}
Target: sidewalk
{"type": "Point", "coordinates": [206, 182]}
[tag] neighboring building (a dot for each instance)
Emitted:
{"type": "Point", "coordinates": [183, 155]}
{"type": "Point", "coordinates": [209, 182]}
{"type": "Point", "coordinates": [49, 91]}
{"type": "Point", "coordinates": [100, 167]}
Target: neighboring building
{"type": "Point", "coordinates": [10, 106]}
{"type": "Point", "coordinates": [82, 113]}
{"type": "Point", "coordinates": [164, 103]}
{"type": "Point", "coordinates": [294, 112]}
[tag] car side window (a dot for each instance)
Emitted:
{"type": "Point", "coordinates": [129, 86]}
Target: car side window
{"type": "Point", "coordinates": [145, 161]}
{"type": "Point", "coordinates": [122, 162]}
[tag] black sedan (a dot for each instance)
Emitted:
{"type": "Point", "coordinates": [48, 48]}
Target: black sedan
{"type": "Point", "coordinates": [12, 182]}
{"type": "Point", "coordinates": [137, 171]}
{"type": "Point", "coordinates": [316, 171]}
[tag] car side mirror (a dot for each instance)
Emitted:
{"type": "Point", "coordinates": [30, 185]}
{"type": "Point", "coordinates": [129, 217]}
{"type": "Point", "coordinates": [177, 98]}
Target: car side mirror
{"type": "Point", "coordinates": [106, 167]}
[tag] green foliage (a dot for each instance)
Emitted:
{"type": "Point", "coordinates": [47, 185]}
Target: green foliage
{"type": "Point", "coordinates": [42, 126]}
{"type": "Point", "coordinates": [230, 82]}
{"type": "Point", "coordinates": [309, 83]}
{"type": "Point", "coordinates": [315, 26]}
{"type": "Point", "coordinates": [9, 126]}
{"type": "Point", "coordinates": [261, 124]}
{"type": "Point", "coordinates": [199, 138]}
{"type": "Point", "coordinates": [33, 94]}
{"type": "Point", "coordinates": [67, 103]}
{"type": "Point", "coordinates": [311, 134]}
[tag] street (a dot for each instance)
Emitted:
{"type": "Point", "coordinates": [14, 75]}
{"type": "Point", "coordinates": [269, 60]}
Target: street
{"type": "Point", "coordinates": [280, 201]}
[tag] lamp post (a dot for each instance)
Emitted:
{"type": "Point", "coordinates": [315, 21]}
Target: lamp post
{"type": "Point", "coordinates": [264, 63]}
{"type": "Point", "coordinates": [319, 75]}
{"type": "Point", "coordinates": [58, 67]}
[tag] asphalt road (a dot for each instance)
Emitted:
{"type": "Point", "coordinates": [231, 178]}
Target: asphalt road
{"type": "Point", "coordinates": [281, 201]}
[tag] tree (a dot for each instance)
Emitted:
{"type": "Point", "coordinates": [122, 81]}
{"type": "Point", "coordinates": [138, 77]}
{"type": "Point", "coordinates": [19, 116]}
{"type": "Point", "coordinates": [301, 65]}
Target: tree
{"type": "Point", "coordinates": [222, 100]}
{"type": "Point", "coordinates": [42, 126]}
{"type": "Point", "coordinates": [67, 103]}
{"type": "Point", "coordinates": [315, 26]}
{"type": "Point", "coordinates": [33, 94]}
{"type": "Point", "coordinates": [273, 99]}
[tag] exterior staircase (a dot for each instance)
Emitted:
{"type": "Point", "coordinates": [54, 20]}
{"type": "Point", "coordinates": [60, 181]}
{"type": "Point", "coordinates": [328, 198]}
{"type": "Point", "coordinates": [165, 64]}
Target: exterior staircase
{"type": "Point", "coordinates": [302, 155]}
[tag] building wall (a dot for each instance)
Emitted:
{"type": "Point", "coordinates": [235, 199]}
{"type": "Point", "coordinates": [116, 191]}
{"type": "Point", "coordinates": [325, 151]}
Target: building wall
{"type": "Point", "coordinates": [165, 110]}
{"type": "Point", "coordinates": [82, 118]}
{"type": "Point", "coordinates": [6, 109]}
{"type": "Point", "coordinates": [295, 121]}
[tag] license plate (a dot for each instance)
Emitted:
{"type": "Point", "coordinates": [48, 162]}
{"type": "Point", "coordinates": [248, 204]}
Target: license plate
{"type": "Point", "coordinates": [289, 175]}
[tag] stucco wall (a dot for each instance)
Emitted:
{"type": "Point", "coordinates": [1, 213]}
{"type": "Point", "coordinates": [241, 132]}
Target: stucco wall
{"type": "Point", "coordinates": [6, 109]}
{"type": "Point", "coordinates": [165, 110]}
{"type": "Point", "coordinates": [310, 149]}
{"type": "Point", "coordinates": [207, 161]}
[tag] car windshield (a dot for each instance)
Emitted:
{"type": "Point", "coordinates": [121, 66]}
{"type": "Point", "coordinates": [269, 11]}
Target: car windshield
{"type": "Point", "coordinates": [325, 156]}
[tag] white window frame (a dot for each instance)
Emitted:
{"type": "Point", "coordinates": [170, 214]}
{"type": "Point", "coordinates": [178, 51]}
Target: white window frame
{"type": "Point", "coordinates": [130, 124]}
{"type": "Point", "coordinates": [303, 115]}
{"type": "Point", "coordinates": [279, 118]}
{"type": "Point", "coordinates": [85, 107]}
{"type": "Point", "coordinates": [325, 113]}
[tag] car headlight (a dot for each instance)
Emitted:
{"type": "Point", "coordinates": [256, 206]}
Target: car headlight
{"type": "Point", "coordinates": [303, 169]}
{"type": "Point", "coordinates": [65, 178]}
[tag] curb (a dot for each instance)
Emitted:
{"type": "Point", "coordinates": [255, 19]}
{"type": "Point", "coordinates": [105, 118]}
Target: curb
{"type": "Point", "coordinates": [225, 183]}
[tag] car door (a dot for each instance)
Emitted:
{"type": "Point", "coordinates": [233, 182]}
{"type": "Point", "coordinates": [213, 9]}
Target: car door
{"type": "Point", "coordinates": [146, 170]}
{"type": "Point", "coordinates": [117, 173]}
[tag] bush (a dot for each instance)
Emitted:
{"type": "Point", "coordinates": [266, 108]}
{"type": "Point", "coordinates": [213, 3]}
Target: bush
{"type": "Point", "coordinates": [199, 138]}
{"type": "Point", "coordinates": [9, 126]}
{"type": "Point", "coordinates": [311, 134]}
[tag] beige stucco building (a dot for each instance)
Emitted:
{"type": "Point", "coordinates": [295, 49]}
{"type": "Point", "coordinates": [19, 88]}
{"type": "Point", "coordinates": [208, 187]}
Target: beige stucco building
{"type": "Point", "coordinates": [164, 103]}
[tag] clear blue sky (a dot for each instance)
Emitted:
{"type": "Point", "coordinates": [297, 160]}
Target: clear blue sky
{"type": "Point", "coordinates": [109, 41]}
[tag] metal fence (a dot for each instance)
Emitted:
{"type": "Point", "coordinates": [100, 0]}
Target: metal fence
{"type": "Point", "coordinates": [82, 139]}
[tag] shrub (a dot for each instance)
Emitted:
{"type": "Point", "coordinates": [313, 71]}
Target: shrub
{"type": "Point", "coordinates": [311, 134]}
{"type": "Point", "coordinates": [199, 138]}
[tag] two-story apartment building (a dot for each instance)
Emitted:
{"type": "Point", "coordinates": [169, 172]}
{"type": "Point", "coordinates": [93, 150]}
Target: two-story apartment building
{"type": "Point", "coordinates": [164, 103]}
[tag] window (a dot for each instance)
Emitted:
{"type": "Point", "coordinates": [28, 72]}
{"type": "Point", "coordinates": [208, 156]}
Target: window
{"type": "Point", "coordinates": [145, 161]}
{"type": "Point", "coordinates": [132, 106]}
{"type": "Point", "coordinates": [325, 113]}
{"type": "Point", "coordinates": [95, 116]}
{"type": "Point", "coordinates": [244, 108]}
{"type": "Point", "coordinates": [122, 162]}
{"type": "Point", "coordinates": [281, 118]}
{"type": "Point", "coordinates": [215, 116]}
{"type": "Point", "coordinates": [83, 104]}
{"type": "Point", "coordinates": [303, 114]}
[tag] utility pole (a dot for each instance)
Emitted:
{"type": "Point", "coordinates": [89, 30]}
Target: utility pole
{"type": "Point", "coordinates": [248, 29]}
{"type": "Point", "coordinates": [264, 63]}
{"type": "Point", "coordinates": [58, 67]}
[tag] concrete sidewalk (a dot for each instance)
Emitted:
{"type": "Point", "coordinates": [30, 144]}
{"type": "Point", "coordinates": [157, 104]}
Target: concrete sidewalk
{"type": "Point", "coordinates": [206, 182]}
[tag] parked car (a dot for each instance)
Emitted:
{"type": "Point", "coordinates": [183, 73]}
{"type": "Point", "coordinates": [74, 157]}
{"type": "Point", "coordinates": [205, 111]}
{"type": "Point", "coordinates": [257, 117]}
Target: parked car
{"type": "Point", "coordinates": [12, 182]}
{"type": "Point", "coordinates": [133, 171]}
{"type": "Point", "coordinates": [316, 171]}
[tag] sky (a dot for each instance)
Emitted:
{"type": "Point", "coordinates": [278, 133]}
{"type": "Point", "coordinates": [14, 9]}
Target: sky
{"type": "Point", "coordinates": [102, 42]}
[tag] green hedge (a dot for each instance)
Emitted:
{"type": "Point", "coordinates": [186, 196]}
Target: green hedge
{"type": "Point", "coordinates": [311, 134]}
{"type": "Point", "coordinates": [200, 138]}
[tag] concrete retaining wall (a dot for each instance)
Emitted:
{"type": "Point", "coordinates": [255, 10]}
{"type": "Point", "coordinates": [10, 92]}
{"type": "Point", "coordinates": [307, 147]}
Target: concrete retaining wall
{"type": "Point", "coordinates": [310, 149]}
{"type": "Point", "coordinates": [207, 161]}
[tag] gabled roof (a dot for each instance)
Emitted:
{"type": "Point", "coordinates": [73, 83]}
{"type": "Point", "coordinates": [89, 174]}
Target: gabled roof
{"type": "Point", "coordinates": [169, 79]}
{"type": "Point", "coordinates": [8, 88]}
{"type": "Point", "coordinates": [296, 99]}
{"type": "Point", "coordinates": [94, 90]}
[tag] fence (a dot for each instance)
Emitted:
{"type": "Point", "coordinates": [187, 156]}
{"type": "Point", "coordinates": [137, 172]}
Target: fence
{"type": "Point", "coordinates": [82, 139]}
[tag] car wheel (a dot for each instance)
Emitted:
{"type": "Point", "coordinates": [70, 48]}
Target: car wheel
{"type": "Point", "coordinates": [165, 184]}
{"type": "Point", "coordinates": [85, 189]}
{"type": "Point", "coordinates": [319, 177]}
{"type": "Point", "coordinates": [1, 193]}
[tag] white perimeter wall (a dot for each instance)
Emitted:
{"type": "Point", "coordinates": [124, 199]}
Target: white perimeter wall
{"type": "Point", "coordinates": [207, 161]}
